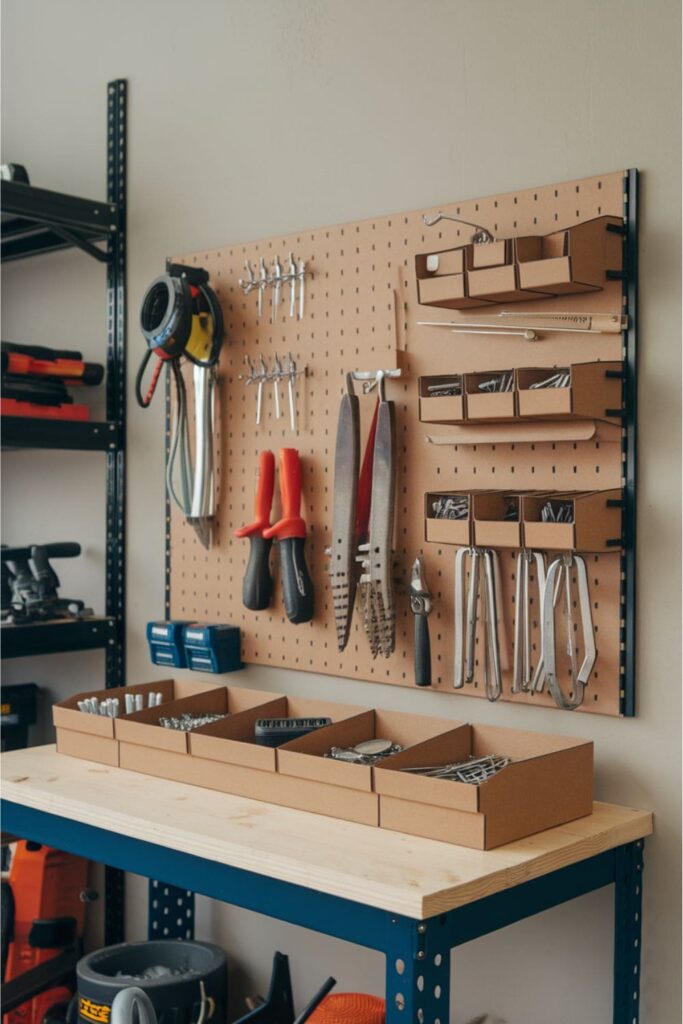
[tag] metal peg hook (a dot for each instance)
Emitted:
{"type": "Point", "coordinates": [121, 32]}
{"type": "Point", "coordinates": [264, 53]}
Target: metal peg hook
{"type": "Point", "coordinates": [372, 379]}
{"type": "Point", "coordinates": [482, 236]}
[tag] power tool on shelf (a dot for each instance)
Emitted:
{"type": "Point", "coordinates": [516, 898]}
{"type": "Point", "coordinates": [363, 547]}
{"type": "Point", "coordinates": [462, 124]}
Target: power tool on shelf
{"type": "Point", "coordinates": [34, 597]}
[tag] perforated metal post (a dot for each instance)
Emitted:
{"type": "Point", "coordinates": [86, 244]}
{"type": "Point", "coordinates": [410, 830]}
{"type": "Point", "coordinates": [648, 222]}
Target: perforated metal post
{"type": "Point", "coordinates": [170, 912]}
{"type": "Point", "coordinates": [628, 902]}
{"type": "Point", "coordinates": [116, 412]}
{"type": "Point", "coordinates": [418, 972]}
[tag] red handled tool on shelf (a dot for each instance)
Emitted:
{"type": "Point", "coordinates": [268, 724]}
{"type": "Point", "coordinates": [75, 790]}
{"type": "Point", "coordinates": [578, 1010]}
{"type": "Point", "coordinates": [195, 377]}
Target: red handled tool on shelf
{"type": "Point", "coordinates": [257, 587]}
{"type": "Point", "coordinates": [290, 533]}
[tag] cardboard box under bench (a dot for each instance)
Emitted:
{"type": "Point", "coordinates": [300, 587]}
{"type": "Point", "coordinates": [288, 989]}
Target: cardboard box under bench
{"type": "Point", "coordinates": [92, 737]}
{"type": "Point", "coordinates": [548, 782]}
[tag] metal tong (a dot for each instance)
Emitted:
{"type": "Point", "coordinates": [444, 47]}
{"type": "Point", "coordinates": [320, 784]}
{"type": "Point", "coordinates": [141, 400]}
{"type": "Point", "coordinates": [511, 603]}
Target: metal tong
{"type": "Point", "coordinates": [486, 586]}
{"type": "Point", "coordinates": [196, 499]}
{"type": "Point", "coordinates": [559, 580]}
{"type": "Point", "coordinates": [523, 676]}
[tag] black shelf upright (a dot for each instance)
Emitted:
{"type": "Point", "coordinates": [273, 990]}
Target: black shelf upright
{"type": "Point", "coordinates": [37, 221]}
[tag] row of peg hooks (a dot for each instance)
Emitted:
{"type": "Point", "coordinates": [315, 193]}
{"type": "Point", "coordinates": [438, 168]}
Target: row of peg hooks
{"type": "Point", "coordinates": [262, 375]}
{"type": "Point", "coordinates": [293, 277]}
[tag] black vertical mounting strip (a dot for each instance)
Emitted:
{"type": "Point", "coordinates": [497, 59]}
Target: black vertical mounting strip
{"type": "Point", "coordinates": [630, 337]}
{"type": "Point", "coordinates": [116, 410]}
{"type": "Point", "coordinates": [116, 377]}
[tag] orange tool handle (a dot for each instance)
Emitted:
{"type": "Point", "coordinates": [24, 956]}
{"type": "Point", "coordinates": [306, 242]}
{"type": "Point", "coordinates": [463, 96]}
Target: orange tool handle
{"type": "Point", "coordinates": [291, 524]}
{"type": "Point", "coordinates": [264, 497]}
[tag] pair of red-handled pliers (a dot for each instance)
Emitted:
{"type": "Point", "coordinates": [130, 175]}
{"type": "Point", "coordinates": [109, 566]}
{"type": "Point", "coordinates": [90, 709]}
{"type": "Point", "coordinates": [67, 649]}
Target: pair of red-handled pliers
{"type": "Point", "coordinates": [290, 533]}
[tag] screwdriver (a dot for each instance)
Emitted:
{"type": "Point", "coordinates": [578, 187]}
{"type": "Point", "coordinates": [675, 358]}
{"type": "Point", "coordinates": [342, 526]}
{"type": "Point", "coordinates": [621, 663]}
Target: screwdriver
{"type": "Point", "coordinates": [290, 532]}
{"type": "Point", "coordinates": [257, 587]}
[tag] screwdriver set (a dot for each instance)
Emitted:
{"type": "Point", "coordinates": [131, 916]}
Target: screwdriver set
{"type": "Point", "coordinates": [424, 426]}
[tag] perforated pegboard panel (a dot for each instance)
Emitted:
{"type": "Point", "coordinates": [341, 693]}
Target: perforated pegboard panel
{"type": "Point", "coordinates": [361, 313]}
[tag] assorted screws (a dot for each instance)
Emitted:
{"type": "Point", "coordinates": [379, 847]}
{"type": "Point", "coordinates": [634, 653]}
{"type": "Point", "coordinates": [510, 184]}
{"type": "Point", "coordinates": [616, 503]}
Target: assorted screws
{"type": "Point", "coordinates": [472, 771]}
{"type": "Point", "coordinates": [293, 276]}
{"type": "Point", "coordinates": [367, 752]}
{"type": "Point", "coordinates": [262, 375]}
{"type": "Point", "coordinates": [558, 380]}
{"type": "Point", "coordinates": [188, 722]}
{"type": "Point", "coordinates": [449, 507]}
{"type": "Point", "coordinates": [453, 387]}
{"type": "Point", "coordinates": [557, 512]}
{"type": "Point", "coordinates": [501, 382]}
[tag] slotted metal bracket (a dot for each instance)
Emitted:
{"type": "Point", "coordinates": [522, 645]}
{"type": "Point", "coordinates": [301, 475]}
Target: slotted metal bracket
{"type": "Point", "coordinates": [170, 912]}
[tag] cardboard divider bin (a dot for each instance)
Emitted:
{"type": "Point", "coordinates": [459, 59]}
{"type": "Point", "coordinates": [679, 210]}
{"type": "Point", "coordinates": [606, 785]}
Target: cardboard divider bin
{"type": "Point", "coordinates": [149, 748]}
{"type": "Point", "coordinates": [489, 254]}
{"type": "Point", "coordinates": [436, 408]}
{"type": "Point", "coordinates": [499, 281]}
{"type": "Point", "coordinates": [594, 391]}
{"type": "Point", "coordinates": [92, 737]}
{"type": "Point", "coordinates": [440, 264]}
{"type": "Point", "coordinates": [486, 405]}
{"type": "Point", "coordinates": [573, 260]}
{"type": "Point", "coordinates": [491, 527]}
{"type": "Point", "coordinates": [344, 789]}
{"type": "Point", "coordinates": [448, 292]}
{"type": "Point", "coordinates": [448, 531]}
{"type": "Point", "coordinates": [225, 756]}
{"type": "Point", "coordinates": [142, 728]}
{"type": "Point", "coordinates": [597, 524]}
{"type": "Point", "coordinates": [548, 782]}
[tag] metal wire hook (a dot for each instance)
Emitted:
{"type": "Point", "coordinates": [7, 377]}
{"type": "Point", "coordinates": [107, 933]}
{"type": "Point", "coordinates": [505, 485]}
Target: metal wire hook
{"type": "Point", "coordinates": [482, 236]}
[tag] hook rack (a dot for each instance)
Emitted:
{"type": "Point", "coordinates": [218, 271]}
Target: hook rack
{"type": "Point", "coordinates": [294, 276]}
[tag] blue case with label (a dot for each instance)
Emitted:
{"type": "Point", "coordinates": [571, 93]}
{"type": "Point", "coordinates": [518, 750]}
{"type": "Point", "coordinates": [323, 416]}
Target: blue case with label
{"type": "Point", "coordinates": [165, 641]}
{"type": "Point", "coordinates": [213, 648]}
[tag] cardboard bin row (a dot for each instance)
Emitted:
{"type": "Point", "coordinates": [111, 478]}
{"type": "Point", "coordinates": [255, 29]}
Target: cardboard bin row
{"type": "Point", "coordinates": [594, 391]}
{"type": "Point", "coordinates": [508, 519]}
{"type": "Point", "coordinates": [566, 262]}
{"type": "Point", "coordinates": [548, 781]}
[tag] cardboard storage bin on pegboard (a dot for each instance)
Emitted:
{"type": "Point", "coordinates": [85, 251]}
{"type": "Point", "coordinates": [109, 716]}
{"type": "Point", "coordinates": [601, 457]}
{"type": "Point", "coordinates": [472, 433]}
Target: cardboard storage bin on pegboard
{"type": "Point", "coordinates": [596, 524]}
{"type": "Point", "coordinates": [594, 391]}
{"type": "Point", "coordinates": [92, 737]}
{"type": "Point", "coordinates": [549, 781]}
{"type": "Point", "coordinates": [343, 786]}
{"type": "Point", "coordinates": [497, 519]}
{"type": "Point", "coordinates": [573, 260]}
{"type": "Point", "coordinates": [448, 531]}
{"type": "Point", "coordinates": [436, 408]}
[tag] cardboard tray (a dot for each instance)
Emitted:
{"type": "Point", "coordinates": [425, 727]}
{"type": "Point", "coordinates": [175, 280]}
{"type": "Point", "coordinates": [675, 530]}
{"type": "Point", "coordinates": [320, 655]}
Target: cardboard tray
{"type": "Point", "coordinates": [594, 392]}
{"type": "Point", "coordinates": [597, 522]}
{"type": "Point", "coordinates": [448, 292]}
{"type": "Point", "coordinates": [441, 408]}
{"type": "Point", "coordinates": [448, 531]}
{"type": "Point", "coordinates": [574, 260]}
{"type": "Point", "coordinates": [549, 782]}
{"type": "Point", "coordinates": [491, 528]}
{"type": "Point", "coordinates": [305, 758]}
{"type": "Point", "coordinates": [484, 405]}
{"type": "Point", "coordinates": [92, 737]}
{"type": "Point", "coordinates": [142, 727]}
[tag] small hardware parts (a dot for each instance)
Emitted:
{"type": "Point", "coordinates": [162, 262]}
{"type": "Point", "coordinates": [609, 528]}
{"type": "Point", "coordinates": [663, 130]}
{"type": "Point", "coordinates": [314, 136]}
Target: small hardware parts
{"type": "Point", "coordinates": [474, 770]}
{"type": "Point", "coordinates": [187, 722]}
{"type": "Point", "coordinates": [109, 708]}
{"type": "Point", "coordinates": [261, 375]}
{"type": "Point", "coordinates": [557, 512]}
{"type": "Point", "coordinates": [368, 752]}
{"type": "Point", "coordinates": [450, 507]}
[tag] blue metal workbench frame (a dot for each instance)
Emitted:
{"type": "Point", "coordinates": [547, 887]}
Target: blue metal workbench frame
{"type": "Point", "coordinates": [417, 952]}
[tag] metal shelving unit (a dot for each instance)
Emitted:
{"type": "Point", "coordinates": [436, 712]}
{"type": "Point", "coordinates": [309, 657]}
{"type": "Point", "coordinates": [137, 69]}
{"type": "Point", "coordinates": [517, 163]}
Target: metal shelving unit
{"type": "Point", "coordinates": [25, 432]}
{"type": "Point", "coordinates": [37, 221]}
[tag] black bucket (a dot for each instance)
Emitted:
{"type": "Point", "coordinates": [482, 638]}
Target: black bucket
{"type": "Point", "coordinates": [169, 971]}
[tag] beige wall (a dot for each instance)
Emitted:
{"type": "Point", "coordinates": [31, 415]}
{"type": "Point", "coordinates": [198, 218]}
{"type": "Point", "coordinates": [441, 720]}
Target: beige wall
{"type": "Point", "coordinates": [253, 119]}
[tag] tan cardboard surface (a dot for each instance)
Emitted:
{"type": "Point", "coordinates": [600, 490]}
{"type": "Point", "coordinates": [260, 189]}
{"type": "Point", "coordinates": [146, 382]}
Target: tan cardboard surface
{"type": "Point", "coordinates": [88, 748]}
{"type": "Point", "coordinates": [143, 727]}
{"type": "Point", "coordinates": [66, 713]}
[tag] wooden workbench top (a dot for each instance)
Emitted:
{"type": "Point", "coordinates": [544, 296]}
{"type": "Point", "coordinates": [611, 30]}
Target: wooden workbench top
{"type": "Point", "coordinates": [398, 873]}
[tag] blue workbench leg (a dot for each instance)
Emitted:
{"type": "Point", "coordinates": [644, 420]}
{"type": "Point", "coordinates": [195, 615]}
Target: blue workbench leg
{"type": "Point", "coordinates": [628, 900]}
{"type": "Point", "coordinates": [418, 972]}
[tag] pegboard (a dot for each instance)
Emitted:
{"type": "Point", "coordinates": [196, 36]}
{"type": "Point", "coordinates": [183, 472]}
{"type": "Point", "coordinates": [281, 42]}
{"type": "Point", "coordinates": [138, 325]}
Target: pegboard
{"type": "Point", "coordinates": [361, 314]}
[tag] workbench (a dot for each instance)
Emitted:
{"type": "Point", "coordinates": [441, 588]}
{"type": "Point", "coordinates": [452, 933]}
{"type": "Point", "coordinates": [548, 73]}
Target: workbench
{"type": "Point", "coordinates": [412, 899]}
